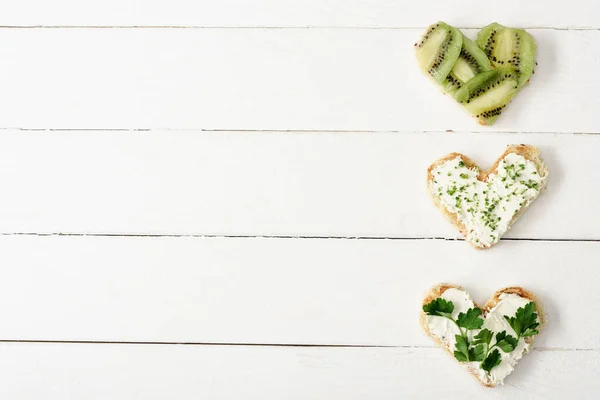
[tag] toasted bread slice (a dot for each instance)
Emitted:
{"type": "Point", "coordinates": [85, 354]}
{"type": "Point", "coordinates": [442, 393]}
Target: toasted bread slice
{"type": "Point", "coordinates": [528, 152]}
{"type": "Point", "coordinates": [438, 290]}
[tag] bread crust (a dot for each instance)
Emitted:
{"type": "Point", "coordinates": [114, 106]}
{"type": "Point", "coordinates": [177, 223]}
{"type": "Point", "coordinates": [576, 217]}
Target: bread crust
{"type": "Point", "coordinates": [530, 153]}
{"type": "Point", "coordinates": [438, 290]}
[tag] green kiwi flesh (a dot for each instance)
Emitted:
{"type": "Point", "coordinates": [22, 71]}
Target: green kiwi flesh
{"type": "Point", "coordinates": [487, 94]}
{"type": "Point", "coordinates": [438, 50]}
{"type": "Point", "coordinates": [471, 61]}
{"type": "Point", "coordinates": [508, 47]}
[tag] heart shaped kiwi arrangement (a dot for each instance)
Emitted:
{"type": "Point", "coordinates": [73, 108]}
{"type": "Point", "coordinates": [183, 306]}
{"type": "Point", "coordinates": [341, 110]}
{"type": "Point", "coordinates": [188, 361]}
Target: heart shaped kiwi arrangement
{"type": "Point", "coordinates": [488, 342]}
{"type": "Point", "coordinates": [482, 75]}
{"type": "Point", "coordinates": [485, 204]}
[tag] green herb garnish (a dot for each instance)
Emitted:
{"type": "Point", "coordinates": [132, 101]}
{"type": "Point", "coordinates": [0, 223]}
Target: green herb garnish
{"type": "Point", "coordinates": [524, 323]}
{"type": "Point", "coordinates": [466, 321]}
{"type": "Point", "coordinates": [481, 349]}
{"type": "Point", "coordinates": [439, 308]}
{"type": "Point", "coordinates": [491, 361]}
{"type": "Point", "coordinates": [470, 320]}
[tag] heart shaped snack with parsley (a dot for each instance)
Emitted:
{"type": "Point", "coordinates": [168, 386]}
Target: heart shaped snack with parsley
{"type": "Point", "coordinates": [489, 341]}
{"type": "Point", "coordinates": [485, 204]}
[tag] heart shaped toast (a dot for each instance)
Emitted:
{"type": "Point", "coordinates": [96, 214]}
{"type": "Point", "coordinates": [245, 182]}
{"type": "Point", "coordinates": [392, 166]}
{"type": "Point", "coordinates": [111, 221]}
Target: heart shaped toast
{"type": "Point", "coordinates": [483, 205]}
{"type": "Point", "coordinates": [488, 342]}
{"type": "Point", "coordinates": [482, 75]}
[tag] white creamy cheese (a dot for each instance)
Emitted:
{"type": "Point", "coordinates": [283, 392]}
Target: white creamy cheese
{"type": "Point", "coordinates": [486, 208]}
{"type": "Point", "coordinates": [443, 328]}
{"type": "Point", "coordinates": [494, 320]}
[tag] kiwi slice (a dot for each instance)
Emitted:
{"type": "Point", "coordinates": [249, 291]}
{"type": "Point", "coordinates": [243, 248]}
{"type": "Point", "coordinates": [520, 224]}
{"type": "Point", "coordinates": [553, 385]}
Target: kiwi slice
{"type": "Point", "coordinates": [487, 94]}
{"type": "Point", "coordinates": [471, 61]}
{"type": "Point", "coordinates": [438, 50]}
{"type": "Point", "coordinates": [508, 47]}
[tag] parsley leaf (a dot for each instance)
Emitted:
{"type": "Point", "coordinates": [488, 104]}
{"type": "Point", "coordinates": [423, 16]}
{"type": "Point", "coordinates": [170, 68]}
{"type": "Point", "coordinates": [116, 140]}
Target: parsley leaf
{"type": "Point", "coordinates": [524, 323]}
{"type": "Point", "coordinates": [483, 337]}
{"type": "Point", "coordinates": [506, 342]}
{"type": "Point", "coordinates": [492, 360]}
{"type": "Point", "coordinates": [531, 331]}
{"type": "Point", "coordinates": [477, 353]}
{"type": "Point", "coordinates": [481, 349]}
{"type": "Point", "coordinates": [439, 307]}
{"type": "Point", "coordinates": [462, 348]}
{"type": "Point", "coordinates": [500, 336]}
{"type": "Point", "coordinates": [471, 319]}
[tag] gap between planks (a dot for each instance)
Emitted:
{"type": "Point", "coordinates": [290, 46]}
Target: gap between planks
{"type": "Point", "coordinates": [291, 131]}
{"type": "Point", "coordinates": [218, 344]}
{"type": "Point", "coordinates": [304, 237]}
{"type": "Point", "coordinates": [324, 27]}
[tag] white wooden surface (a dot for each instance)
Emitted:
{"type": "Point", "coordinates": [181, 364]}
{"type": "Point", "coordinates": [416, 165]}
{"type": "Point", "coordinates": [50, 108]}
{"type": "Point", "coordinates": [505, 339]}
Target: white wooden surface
{"type": "Point", "coordinates": [305, 13]}
{"type": "Point", "coordinates": [271, 79]}
{"type": "Point", "coordinates": [98, 372]}
{"type": "Point", "coordinates": [226, 200]}
{"type": "Point", "coordinates": [275, 291]}
{"type": "Point", "coordinates": [266, 184]}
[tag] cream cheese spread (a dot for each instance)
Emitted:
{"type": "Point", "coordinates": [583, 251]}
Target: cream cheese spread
{"type": "Point", "coordinates": [486, 208]}
{"type": "Point", "coordinates": [445, 330]}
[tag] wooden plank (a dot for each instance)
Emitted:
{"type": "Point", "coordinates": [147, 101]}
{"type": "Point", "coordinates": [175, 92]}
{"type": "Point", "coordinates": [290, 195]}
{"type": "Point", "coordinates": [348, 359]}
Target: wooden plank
{"type": "Point", "coordinates": [63, 371]}
{"type": "Point", "coordinates": [374, 13]}
{"type": "Point", "coordinates": [242, 183]}
{"type": "Point", "coordinates": [307, 291]}
{"type": "Point", "coordinates": [270, 79]}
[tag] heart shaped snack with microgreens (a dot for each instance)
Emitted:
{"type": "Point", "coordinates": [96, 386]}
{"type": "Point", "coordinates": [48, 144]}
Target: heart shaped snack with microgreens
{"type": "Point", "coordinates": [482, 75]}
{"type": "Point", "coordinates": [483, 205]}
{"type": "Point", "coordinates": [487, 341]}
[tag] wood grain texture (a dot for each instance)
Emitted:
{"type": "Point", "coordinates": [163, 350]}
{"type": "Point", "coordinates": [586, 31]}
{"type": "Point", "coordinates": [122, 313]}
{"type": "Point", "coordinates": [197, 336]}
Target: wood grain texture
{"type": "Point", "coordinates": [95, 372]}
{"type": "Point", "coordinates": [271, 79]}
{"type": "Point", "coordinates": [235, 13]}
{"type": "Point", "coordinates": [286, 291]}
{"type": "Point", "coordinates": [242, 183]}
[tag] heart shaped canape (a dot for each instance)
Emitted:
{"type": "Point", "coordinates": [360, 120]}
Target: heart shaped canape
{"type": "Point", "coordinates": [485, 204]}
{"type": "Point", "coordinates": [488, 342]}
{"type": "Point", "coordinates": [482, 75]}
